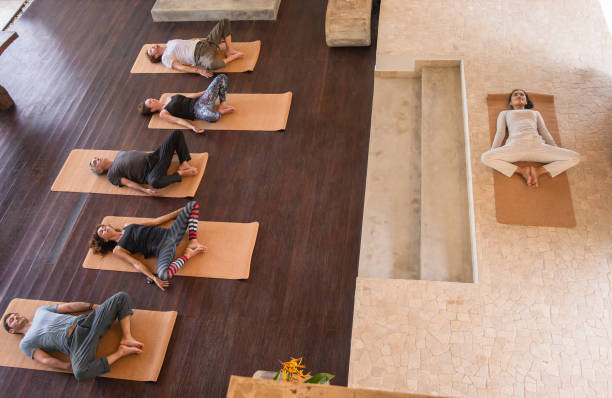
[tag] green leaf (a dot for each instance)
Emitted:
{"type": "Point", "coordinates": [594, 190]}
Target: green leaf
{"type": "Point", "coordinates": [277, 375]}
{"type": "Point", "coordinates": [320, 378]}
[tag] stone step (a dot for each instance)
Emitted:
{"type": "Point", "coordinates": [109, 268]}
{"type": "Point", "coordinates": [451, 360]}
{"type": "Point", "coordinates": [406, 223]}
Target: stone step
{"type": "Point", "coordinates": [445, 228]}
{"type": "Point", "coordinates": [391, 213]}
{"type": "Point", "coordinates": [206, 10]}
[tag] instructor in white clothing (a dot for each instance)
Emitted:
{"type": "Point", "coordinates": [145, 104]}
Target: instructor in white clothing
{"type": "Point", "coordinates": [528, 140]}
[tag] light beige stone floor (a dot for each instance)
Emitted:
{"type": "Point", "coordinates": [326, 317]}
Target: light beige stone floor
{"type": "Point", "coordinates": [539, 323]}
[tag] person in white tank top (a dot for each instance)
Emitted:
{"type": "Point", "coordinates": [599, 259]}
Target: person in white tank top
{"type": "Point", "coordinates": [528, 140]}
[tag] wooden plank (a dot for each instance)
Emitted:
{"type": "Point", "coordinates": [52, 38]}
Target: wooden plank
{"type": "Point", "coordinates": [6, 38]}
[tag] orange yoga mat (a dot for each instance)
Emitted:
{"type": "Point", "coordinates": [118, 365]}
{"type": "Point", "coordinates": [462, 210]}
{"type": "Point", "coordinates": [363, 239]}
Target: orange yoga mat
{"type": "Point", "coordinates": [230, 247]}
{"type": "Point", "coordinates": [247, 63]}
{"type": "Point", "coordinates": [550, 205]}
{"type": "Point", "coordinates": [254, 112]}
{"type": "Point", "coordinates": [153, 328]}
{"type": "Point", "coordinates": [75, 176]}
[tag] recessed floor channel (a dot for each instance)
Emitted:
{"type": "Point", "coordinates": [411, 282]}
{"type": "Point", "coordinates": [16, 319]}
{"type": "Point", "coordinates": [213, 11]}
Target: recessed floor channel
{"type": "Point", "coordinates": [416, 222]}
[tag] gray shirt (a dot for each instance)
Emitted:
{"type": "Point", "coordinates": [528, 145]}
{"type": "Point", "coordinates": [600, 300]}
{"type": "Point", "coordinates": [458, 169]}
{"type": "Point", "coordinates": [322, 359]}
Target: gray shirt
{"type": "Point", "coordinates": [128, 164]}
{"type": "Point", "coordinates": [49, 331]}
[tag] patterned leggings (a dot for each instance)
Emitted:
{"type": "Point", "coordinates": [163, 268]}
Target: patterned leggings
{"type": "Point", "coordinates": [203, 107]}
{"type": "Point", "coordinates": [186, 219]}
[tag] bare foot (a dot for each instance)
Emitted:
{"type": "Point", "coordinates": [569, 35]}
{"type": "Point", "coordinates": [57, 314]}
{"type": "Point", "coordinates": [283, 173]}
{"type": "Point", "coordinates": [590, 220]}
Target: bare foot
{"type": "Point", "coordinates": [534, 175]}
{"type": "Point", "coordinates": [194, 244]}
{"type": "Point", "coordinates": [194, 251]}
{"type": "Point", "coordinates": [235, 53]}
{"type": "Point", "coordinates": [127, 350]}
{"type": "Point", "coordinates": [188, 172]}
{"type": "Point", "coordinates": [226, 109]}
{"type": "Point", "coordinates": [131, 342]}
{"type": "Point", "coordinates": [185, 166]}
{"type": "Point", "coordinates": [524, 172]}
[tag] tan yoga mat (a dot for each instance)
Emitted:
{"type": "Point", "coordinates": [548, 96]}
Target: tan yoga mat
{"type": "Point", "coordinates": [152, 328]}
{"type": "Point", "coordinates": [230, 247]}
{"type": "Point", "coordinates": [254, 112]}
{"type": "Point", "coordinates": [550, 205]}
{"type": "Point", "coordinates": [247, 63]}
{"type": "Point", "coordinates": [75, 176]}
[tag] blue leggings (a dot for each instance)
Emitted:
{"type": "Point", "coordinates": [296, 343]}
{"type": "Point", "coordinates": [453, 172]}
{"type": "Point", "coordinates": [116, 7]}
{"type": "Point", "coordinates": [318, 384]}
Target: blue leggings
{"type": "Point", "coordinates": [203, 107]}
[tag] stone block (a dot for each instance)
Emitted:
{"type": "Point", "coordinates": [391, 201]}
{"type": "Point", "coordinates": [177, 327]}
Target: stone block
{"type": "Point", "coordinates": [347, 23]}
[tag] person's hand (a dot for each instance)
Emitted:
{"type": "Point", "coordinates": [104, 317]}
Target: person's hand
{"type": "Point", "coordinates": [161, 284]}
{"type": "Point", "coordinates": [94, 306]}
{"type": "Point", "coordinates": [197, 130]}
{"type": "Point", "coordinates": [204, 72]}
{"type": "Point", "coordinates": [151, 192]}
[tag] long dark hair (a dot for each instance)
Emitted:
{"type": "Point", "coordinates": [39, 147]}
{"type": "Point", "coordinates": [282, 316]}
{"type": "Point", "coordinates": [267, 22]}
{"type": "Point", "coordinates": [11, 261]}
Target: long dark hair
{"type": "Point", "coordinates": [99, 245]}
{"type": "Point", "coordinates": [143, 109]}
{"type": "Point", "coordinates": [529, 103]}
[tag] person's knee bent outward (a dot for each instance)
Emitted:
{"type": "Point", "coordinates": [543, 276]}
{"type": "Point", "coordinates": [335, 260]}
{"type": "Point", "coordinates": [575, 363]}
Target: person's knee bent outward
{"type": "Point", "coordinates": [53, 328]}
{"type": "Point", "coordinates": [203, 108]}
{"type": "Point", "coordinates": [86, 336]}
{"type": "Point", "coordinates": [160, 160]}
{"type": "Point", "coordinates": [187, 219]}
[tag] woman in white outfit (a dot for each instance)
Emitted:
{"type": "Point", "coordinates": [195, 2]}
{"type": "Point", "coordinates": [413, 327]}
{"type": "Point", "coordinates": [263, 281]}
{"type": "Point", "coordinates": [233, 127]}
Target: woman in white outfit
{"type": "Point", "coordinates": [528, 140]}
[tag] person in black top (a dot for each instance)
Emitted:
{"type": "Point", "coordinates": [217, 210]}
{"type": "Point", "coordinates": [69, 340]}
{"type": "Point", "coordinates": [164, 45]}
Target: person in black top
{"type": "Point", "coordinates": [151, 240]}
{"type": "Point", "coordinates": [181, 109]}
{"type": "Point", "coordinates": [133, 168]}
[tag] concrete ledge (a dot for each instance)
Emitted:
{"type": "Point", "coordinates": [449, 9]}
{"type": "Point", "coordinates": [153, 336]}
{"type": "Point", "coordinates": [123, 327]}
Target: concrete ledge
{"type": "Point", "coordinates": [408, 66]}
{"type": "Point", "coordinates": [206, 10]}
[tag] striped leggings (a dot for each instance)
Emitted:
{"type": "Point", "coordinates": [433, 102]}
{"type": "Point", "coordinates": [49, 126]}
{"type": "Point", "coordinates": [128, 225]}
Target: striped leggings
{"type": "Point", "coordinates": [187, 219]}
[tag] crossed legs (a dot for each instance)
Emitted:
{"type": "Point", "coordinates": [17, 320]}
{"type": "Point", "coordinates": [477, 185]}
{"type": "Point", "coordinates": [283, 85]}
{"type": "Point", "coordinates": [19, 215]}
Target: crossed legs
{"type": "Point", "coordinates": [187, 219]}
{"type": "Point", "coordinates": [86, 336]}
{"type": "Point", "coordinates": [205, 104]}
{"type": "Point", "coordinates": [557, 160]}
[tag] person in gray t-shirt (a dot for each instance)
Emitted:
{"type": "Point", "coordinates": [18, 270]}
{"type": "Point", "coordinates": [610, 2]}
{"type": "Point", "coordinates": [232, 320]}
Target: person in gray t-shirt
{"type": "Point", "coordinates": [197, 55]}
{"type": "Point", "coordinates": [53, 329]}
{"type": "Point", "coordinates": [135, 168]}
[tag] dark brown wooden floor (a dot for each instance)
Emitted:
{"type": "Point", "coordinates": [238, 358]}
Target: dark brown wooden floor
{"type": "Point", "coordinates": [69, 75]}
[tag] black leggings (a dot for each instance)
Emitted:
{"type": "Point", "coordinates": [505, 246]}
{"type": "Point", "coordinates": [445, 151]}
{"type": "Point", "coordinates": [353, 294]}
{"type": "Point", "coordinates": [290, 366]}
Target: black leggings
{"type": "Point", "coordinates": [159, 161]}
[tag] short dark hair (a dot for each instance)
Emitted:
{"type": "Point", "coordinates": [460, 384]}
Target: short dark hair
{"type": "Point", "coordinates": [99, 245]}
{"type": "Point", "coordinates": [144, 109]}
{"type": "Point", "coordinates": [529, 103]}
{"type": "Point", "coordinates": [6, 326]}
{"type": "Point", "coordinates": [152, 58]}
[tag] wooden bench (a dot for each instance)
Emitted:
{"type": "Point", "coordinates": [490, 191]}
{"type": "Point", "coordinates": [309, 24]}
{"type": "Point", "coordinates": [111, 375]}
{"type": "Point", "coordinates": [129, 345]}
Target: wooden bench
{"type": "Point", "coordinates": [347, 23]}
{"type": "Point", "coordinates": [6, 38]}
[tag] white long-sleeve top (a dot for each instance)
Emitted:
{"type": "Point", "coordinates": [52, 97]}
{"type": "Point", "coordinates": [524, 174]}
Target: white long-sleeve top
{"type": "Point", "coordinates": [523, 125]}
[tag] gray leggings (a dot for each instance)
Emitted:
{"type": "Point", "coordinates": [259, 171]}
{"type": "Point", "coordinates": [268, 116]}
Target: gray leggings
{"type": "Point", "coordinates": [87, 333]}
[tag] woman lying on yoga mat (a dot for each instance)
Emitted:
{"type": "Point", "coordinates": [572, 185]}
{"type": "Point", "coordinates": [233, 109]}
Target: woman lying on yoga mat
{"type": "Point", "coordinates": [528, 140]}
{"type": "Point", "coordinates": [181, 109]}
{"type": "Point", "coordinates": [150, 240]}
